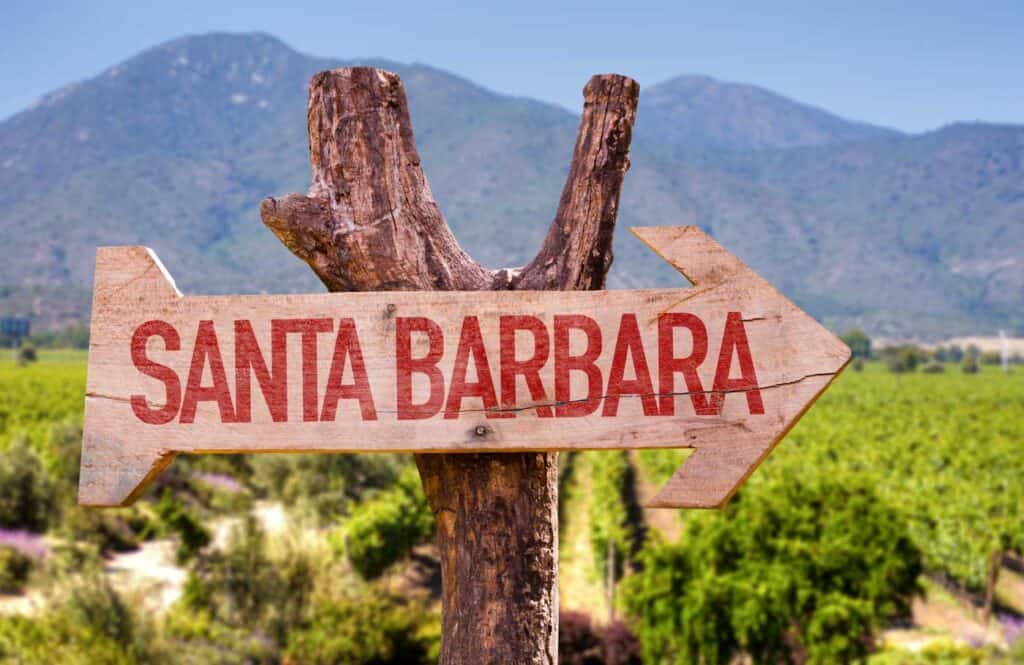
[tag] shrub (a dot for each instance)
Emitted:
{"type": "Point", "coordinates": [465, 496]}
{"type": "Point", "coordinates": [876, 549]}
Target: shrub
{"type": "Point", "coordinates": [15, 567]}
{"type": "Point", "coordinates": [991, 358]}
{"type": "Point", "coordinates": [324, 485]}
{"type": "Point", "coordinates": [621, 646]}
{"type": "Point", "coordinates": [26, 492]}
{"type": "Point", "coordinates": [70, 559]}
{"type": "Point", "coordinates": [221, 493]}
{"type": "Point", "coordinates": [859, 343]}
{"type": "Point", "coordinates": [86, 622]}
{"type": "Point", "coordinates": [199, 638]}
{"type": "Point", "coordinates": [900, 359]}
{"type": "Point", "coordinates": [375, 628]}
{"type": "Point", "coordinates": [238, 584]}
{"type": "Point", "coordinates": [970, 365]}
{"type": "Point", "coordinates": [581, 643]}
{"type": "Point", "coordinates": [793, 565]}
{"type": "Point", "coordinates": [107, 530]}
{"type": "Point", "coordinates": [578, 642]}
{"type": "Point", "coordinates": [248, 594]}
{"type": "Point", "coordinates": [192, 535]}
{"type": "Point", "coordinates": [387, 527]}
{"type": "Point", "coordinates": [934, 368]}
{"type": "Point", "coordinates": [27, 354]}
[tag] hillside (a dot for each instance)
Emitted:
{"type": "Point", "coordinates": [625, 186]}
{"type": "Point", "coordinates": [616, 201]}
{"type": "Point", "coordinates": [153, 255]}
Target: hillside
{"type": "Point", "coordinates": [919, 235]}
{"type": "Point", "coordinates": [700, 112]}
{"type": "Point", "coordinates": [174, 148]}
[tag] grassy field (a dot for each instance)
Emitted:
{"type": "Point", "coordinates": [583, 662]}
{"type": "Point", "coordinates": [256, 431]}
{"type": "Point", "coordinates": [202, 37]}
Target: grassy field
{"type": "Point", "coordinates": [36, 396]}
{"type": "Point", "coordinates": [946, 450]}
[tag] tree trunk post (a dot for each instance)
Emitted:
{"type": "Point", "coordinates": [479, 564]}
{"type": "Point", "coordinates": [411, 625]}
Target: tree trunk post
{"type": "Point", "coordinates": [370, 223]}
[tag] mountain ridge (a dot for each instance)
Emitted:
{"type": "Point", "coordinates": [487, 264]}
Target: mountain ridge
{"type": "Point", "coordinates": [722, 110]}
{"type": "Point", "coordinates": [175, 147]}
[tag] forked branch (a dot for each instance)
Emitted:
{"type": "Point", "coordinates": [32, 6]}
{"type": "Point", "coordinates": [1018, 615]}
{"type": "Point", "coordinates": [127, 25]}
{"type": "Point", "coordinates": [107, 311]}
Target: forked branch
{"type": "Point", "coordinates": [370, 222]}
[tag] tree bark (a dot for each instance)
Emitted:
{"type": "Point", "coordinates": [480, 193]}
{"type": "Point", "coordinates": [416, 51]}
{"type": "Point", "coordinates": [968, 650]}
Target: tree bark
{"type": "Point", "coordinates": [369, 222]}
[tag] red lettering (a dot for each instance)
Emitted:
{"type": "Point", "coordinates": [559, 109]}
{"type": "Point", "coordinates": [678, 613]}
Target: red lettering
{"type": "Point", "coordinates": [207, 352]}
{"type": "Point", "coordinates": [406, 366]}
{"type": "Point", "coordinates": [669, 365]}
{"type": "Point", "coordinates": [565, 364]}
{"type": "Point", "coordinates": [309, 328]}
{"type": "Point", "coordinates": [471, 344]}
{"type": "Point", "coordinates": [530, 368]}
{"type": "Point", "coordinates": [273, 383]}
{"type": "Point", "coordinates": [734, 340]}
{"type": "Point", "coordinates": [346, 346]}
{"type": "Point", "coordinates": [162, 373]}
{"type": "Point", "coordinates": [629, 343]}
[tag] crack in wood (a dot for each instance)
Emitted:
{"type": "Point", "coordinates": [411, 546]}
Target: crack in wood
{"type": "Point", "coordinates": [557, 403]}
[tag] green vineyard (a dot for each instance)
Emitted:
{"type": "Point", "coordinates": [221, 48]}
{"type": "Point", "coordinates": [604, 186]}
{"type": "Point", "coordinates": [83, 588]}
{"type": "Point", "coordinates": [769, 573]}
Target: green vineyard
{"type": "Point", "coordinates": [898, 498]}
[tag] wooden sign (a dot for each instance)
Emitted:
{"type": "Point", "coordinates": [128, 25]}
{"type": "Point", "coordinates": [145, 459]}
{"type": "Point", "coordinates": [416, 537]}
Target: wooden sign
{"type": "Point", "coordinates": [725, 367]}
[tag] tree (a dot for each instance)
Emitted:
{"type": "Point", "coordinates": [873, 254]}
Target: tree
{"type": "Point", "coordinates": [175, 517]}
{"type": "Point", "coordinates": [794, 564]}
{"type": "Point", "coordinates": [900, 359]}
{"type": "Point", "coordinates": [859, 343]}
{"type": "Point", "coordinates": [387, 527]}
{"type": "Point", "coordinates": [496, 512]}
{"type": "Point", "coordinates": [26, 491]}
{"type": "Point", "coordinates": [15, 567]}
{"type": "Point", "coordinates": [27, 354]}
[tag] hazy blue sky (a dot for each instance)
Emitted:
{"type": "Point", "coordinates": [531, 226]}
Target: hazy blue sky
{"type": "Point", "coordinates": [910, 65]}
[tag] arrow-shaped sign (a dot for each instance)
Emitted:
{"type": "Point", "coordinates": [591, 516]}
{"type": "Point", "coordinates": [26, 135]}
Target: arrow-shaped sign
{"type": "Point", "coordinates": [725, 367]}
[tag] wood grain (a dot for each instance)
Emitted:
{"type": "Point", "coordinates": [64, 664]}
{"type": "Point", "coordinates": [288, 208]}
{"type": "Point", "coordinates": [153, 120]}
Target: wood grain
{"type": "Point", "coordinates": [794, 359]}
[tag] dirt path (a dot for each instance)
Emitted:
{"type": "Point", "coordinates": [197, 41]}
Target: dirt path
{"type": "Point", "coordinates": [579, 586]}
{"type": "Point", "coordinates": [940, 617]}
{"type": "Point", "coordinates": [151, 573]}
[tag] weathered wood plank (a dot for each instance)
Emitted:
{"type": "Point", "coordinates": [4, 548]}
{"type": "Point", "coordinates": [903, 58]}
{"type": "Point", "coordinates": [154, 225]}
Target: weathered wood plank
{"type": "Point", "coordinates": [346, 372]}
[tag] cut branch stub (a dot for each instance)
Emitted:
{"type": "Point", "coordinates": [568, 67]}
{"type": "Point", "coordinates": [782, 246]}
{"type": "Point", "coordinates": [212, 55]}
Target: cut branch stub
{"type": "Point", "coordinates": [370, 223]}
{"type": "Point", "coordinates": [577, 251]}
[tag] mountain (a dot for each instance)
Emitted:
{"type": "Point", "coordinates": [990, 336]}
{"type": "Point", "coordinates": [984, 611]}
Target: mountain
{"type": "Point", "coordinates": [910, 236]}
{"type": "Point", "coordinates": [174, 148]}
{"type": "Point", "coordinates": [700, 112]}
